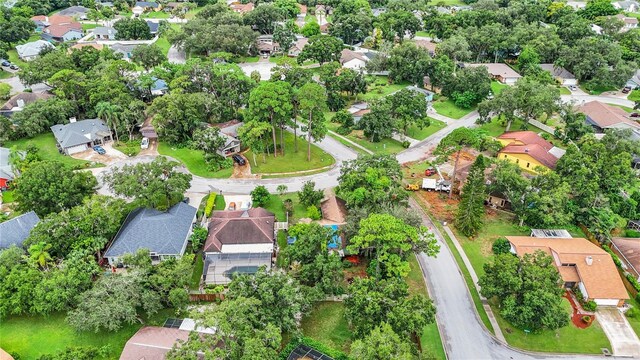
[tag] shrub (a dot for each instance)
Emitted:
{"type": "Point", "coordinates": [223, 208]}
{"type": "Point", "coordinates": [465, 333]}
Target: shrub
{"type": "Point", "coordinates": [587, 319]}
{"type": "Point", "coordinates": [632, 313]}
{"type": "Point", "coordinates": [313, 213]}
{"type": "Point", "coordinates": [545, 136]}
{"type": "Point", "coordinates": [343, 130]}
{"type": "Point", "coordinates": [288, 206]}
{"type": "Point", "coordinates": [211, 201]}
{"type": "Point", "coordinates": [614, 257]}
{"type": "Point", "coordinates": [590, 305]}
{"type": "Point", "coordinates": [501, 246]}
{"type": "Point", "coordinates": [632, 233]}
{"type": "Point", "coordinates": [633, 281]}
{"type": "Point", "coordinates": [406, 144]}
{"type": "Point", "coordinates": [260, 196]}
{"type": "Point", "coordinates": [213, 289]}
{"type": "Point", "coordinates": [198, 237]}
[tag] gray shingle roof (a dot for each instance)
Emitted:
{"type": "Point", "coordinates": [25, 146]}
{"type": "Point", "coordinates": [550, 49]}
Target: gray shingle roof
{"type": "Point", "coordinates": [6, 170]}
{"type": "Point", "coordinates": [80, 132]}
{"type": "Point", "coordinates": [14, 231]}
{"type": "Point", "coordinates": [161, 232]}
{"type": "Point", "coordinates": [74, 11]}
{"type": "Point", "coordinates": [105, 30]}
{"type": "Point", "coordinates": [32, 48]}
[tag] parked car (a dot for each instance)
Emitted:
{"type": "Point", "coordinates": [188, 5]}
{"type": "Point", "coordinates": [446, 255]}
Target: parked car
{"type": "Point", "coordinates": [573, 87]}
{"type": "Point", "coordinates": [14, 67]}
{"type": "Point", "coordinates": [635, 115]}
{"type": "Point", "coordinates": [145, 143]}
{"type": "Point", "coordinates": [99, 149]}
{"type": "Point", "coordinates": [238, 159]}
{"type": "Point", "coordinates": [626, 89]}
{"type": "Point", "coordinates": [5, 63]}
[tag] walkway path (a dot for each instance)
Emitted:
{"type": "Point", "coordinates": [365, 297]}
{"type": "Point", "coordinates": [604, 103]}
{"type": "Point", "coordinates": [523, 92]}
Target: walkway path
{"type": "Point", "coordinates": [542, 126]}
{"type": "Point", "coordinates": [335, 134]}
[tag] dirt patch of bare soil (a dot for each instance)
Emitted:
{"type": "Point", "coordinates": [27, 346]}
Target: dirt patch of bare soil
{"type": "Point", "coordinates": [244, 171]}
{"type": "Point", "coordinates": [439, 204]}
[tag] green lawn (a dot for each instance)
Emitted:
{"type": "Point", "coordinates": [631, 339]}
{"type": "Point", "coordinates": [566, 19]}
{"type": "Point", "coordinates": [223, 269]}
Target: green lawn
{"type": "Point", "coordinates": [634, 321]}
{"type": "Point", "coordinates": [597, 90]}
{"type": "Point", "coordinates": [497, 87]}
{"type": "Point", "coordinates": [13, 57]}
{"type": "Point", "coordinates": [128, 147]}
{"type": "Point", "coordinates": [197, 271]}
{"type": "Point", "coordinates": [326, 323]}
{"type": "Point", "coordinates": [276, 206]}
{"type": "Point", "coordinates": [192, 13]}
{"type": "Point", "coordinates": [86, 26]}
{"type": "Point", "coordinates": [156, 15]}
{"type": "Point", "coordinates": [163, 44]}
{"type": "Point", "coordinates": [291, 161]}
{"type": "Point", "coordinates": [219, 203]}
{"type": "Point", "coordinates": [193, 160]}
{"type": "Point", "coordinates": [634, 95]}
{"type": "Point", "coordinates": [420, 134]}
{"type": "Point", "coordinates": [250, 59]}
{"type": "Point", "coordinates": [496, 128]}
{"type": "Point", "coordinates": [47, 149]}
{"type": "Point", "coordinates": [385, 146]}
{"type": "Point", "coordinates": [447, 108]}
{"type": "Point", "coordinates": [422, 33]}
{"type": "Point", "coordinates": [7, 196]}
{"type": "Point", "coordinates": [380, 88]}
{"type": "Point", "coordinates": [30, 337]}
{"type": "Point", "coordinates": [568, 339]}
{"type": "Point", "coordinates": [564, 90]}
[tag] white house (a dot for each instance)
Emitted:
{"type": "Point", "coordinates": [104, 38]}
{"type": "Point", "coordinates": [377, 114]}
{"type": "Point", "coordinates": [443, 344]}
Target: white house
{"type": "Point", "coordinates": [238, 242]}
{"type": "Point", "coordinates": [31, 50]}
{"type": "Point", "coordinates": [353, 60]}
{"type": "Point", "coordinates": [562, 75]}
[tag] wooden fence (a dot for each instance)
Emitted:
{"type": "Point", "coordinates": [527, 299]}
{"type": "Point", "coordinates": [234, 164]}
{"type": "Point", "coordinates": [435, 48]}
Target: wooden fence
{"type": "Point", "coordinates": [206, 297]}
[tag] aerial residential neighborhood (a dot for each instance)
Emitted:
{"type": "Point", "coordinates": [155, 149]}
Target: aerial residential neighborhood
{"type": "Point", "coordinates": [319, 180]}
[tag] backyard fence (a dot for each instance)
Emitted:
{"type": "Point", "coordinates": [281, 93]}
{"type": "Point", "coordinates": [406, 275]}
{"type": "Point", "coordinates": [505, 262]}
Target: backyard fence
{"type": "Point", "coordinates": [206, 297]}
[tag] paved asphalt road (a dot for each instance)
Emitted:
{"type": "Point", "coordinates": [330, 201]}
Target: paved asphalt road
{"type": "Point", "coordinates": [463, 336]}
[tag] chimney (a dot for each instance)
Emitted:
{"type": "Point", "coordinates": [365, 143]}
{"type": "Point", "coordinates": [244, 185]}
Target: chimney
{"type": "Point", "coordinates": [72, 120]}
{"type": "Point", "coordinates": [589, 260]}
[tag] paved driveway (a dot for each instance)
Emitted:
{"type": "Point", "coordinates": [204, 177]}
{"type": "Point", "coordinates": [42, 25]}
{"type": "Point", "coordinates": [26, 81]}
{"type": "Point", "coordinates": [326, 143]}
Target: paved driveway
{"type": "Point", "coordinates": [624, 340]}
{"type": "Point", "coordinates": [263, 67]}
{"type": "Point", "coordinates": [111, 156]}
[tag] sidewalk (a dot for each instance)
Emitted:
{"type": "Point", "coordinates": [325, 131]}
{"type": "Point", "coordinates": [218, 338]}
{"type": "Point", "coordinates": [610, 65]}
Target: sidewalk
{"type": "Point", "coordinates": [334, 134]}
{"type": "Point", "coordinates": [474, 277]}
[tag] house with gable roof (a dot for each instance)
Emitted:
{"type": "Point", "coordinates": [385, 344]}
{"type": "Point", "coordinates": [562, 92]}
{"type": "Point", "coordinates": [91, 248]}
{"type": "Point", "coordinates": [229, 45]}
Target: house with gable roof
{"type": "Point", "coordinates": [528, 150]}
{"type": "Point", "coordinates": [603, 116]}
{"type": "Point", "coordinates": [78, 136]}
{"type": "Point", "coordinates": [16, 230]}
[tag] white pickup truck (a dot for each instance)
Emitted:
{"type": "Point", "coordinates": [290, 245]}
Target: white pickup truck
{"type": "Point", "coordinates": [436, 185]}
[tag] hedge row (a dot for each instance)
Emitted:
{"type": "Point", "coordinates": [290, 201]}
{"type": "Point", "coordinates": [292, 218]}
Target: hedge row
{"type": "Point", "coordinates": [615, 257]}
{"type": "Point", "coordinates": [211, 201]}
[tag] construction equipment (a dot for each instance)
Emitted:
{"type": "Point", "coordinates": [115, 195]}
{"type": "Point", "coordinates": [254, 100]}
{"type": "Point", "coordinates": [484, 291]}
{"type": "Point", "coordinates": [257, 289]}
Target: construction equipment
{"type": "Point", "coordinates": [412, 187]}
{"type": "Point", "coordinates": [429, 171]}
{"type": "Point", "coordinates": [436, 185]}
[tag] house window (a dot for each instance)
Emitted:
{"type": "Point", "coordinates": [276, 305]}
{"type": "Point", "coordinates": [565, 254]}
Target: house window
{"type": "Point", "coordinates": [517, 161]}
{"type": "Point", "coordinates": [528, 164]}
{"type": "Point", "coordinates": [505, 156]}
{"type": "Point", "coordinates": [154, 256]}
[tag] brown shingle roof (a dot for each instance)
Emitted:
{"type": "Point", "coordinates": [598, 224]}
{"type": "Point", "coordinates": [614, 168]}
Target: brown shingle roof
{"type": "Point", "coordinates": [605, 115]}
{"type": "Point", "coordinates": [348, 55]}
{"type": "Point", "coordinates": [242, 8]}
{"type": "Point", "coordinates": [28, 98]}
{"type": "Point", "coordinates": [60, 19]}
{"type": "Point", "coordinates": [60, 30]}
{"type": "Point", "coordinates": [426, 44]}
{"type": "Point", "coordinates": [253, 226]}
{"type": "Point", "coordinates": [528, 142]}
{"type": "Point", "coordinates": [152, 342]}
{"type": "Point", "coordinates": [334, 209]}
{"type": "Point", "coordinates": [499, 69]}
{"type": "Point", "coordinates": [630, 248]}
{"type": "Point", "coordinates": [600, 279]}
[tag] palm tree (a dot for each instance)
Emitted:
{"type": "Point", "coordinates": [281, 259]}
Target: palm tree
{"type": "Point", "coordinates": [109, 113]}
{"type": "Point", "coordinates": [38, 253]}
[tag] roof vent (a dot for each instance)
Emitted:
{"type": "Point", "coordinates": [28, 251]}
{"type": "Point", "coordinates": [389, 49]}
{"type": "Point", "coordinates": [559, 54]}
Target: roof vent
{"type": "Point", "coordinates": [589, 260]}
{"type": "Point", "coordinates": [526, 150]}
{"type": "Point", "coordinates": [72, 120]}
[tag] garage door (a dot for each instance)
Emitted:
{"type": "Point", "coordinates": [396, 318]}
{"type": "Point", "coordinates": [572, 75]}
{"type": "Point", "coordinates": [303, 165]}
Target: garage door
{"type": "Point", "coordinates": [76, 149]}
{"type": "Point", "coordinates": [607, 302]}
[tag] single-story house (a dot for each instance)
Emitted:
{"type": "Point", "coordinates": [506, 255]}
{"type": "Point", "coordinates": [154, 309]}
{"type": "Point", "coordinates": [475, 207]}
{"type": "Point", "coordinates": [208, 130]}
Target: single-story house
{"type": "Point", "coordinates": [16, 230]}
{"type": "Point", "coordinates": [105, 33]}
{"type": "Point", "coordinates": [141, 6]}
{"type": "Point", "coordinates": [7, 173]}
{"type": "Point", "coordinates": [153, 342]}
{"type": "Point", "coordinates": [498, 200]}
{"type": "Point", "coordinates": [171, 5]}
{"type": "Point", "coordinates": [238, 242]}
{"type": "Point", "coordinates": [500, 72]}
{"type": "Point", "coordinates": [634, 82]}
{"type": "Point", "coordinates": [528, 150]}
{"type": "Point", "coordinates": [153, 26]}
{"type": "Point", "coordinates": [334, 211]}
{"type": "Point", "coordinates": [78, 12]}
{"type": "Point", "coordinates": [602, 116]}
{"type": "Point", "coordinates": [358, 110]}
{"type": "Point", "coordinates": [580, 263]}
{"type": "Point", "coordinates": [164, 234]}
{"type": "Point", "coordinates": [627, 5]}
{"type": "Point", "coordinates": [376, 12]}
{"type": "Point", "coordinates": [63, 32]}
{"type": "Point", "coordinates": [297, 46]}
{"type": "Point", "coordinates": [19, 101]}
{"type": "Point", "coordinates": [242, 8]}
{"type": "Point", "coordinates": [353, 60]}
{"type": "Point", "coordinates": [31, 50]}
{"type": "Point", "coordinates": [629, 22]}
{"type": "Point", "coordinates": [596, 29]}
{"type": "Point", "coordinates": [124, 49]}
{"type": "Point", "coordinates": [428, 95]}
{"type": "Point", "coordinates": [560, 74]}
{"type": "Point", "coordinates": [229, 130]}
{"type": "Point", "coordinates": [628, 250]}
{"type": "Point", "coordinates": [427, 45]}
{"type": "Point", "coordinates": [78, 136]}
{"type": "Point", "coordinates": [41, 22]}
{"type": "Point", "coordinates": [159, 87]}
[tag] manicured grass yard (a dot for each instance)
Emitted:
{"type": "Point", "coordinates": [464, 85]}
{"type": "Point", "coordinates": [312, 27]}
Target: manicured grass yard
{"type": "Point", "coordinates": [163, 44]}
{"type": "Point", "coordinates": [13, 57]}
{"type": "Point", "coordinates": [86, 26]}
{"type": "Point", "coordinates": [447, 108]}
{"type": "Point", "coordinates": [568, 339]}
{"type": "Point", "coordinates": [276, 206]}
{"type": "Point", "coordinates": [634, 95]}
{"type": "Point", "coordinates": [197, 272]}
{"type": "Point", "coordinates": [381, 88]}
{"type": "Point", "coordinates": [31, 337]}
{"type": "Point", "coordinates": [47, 149]}
{"type": "Point", "coordinates": [193, 160]}
{"type": "Point", "coordinates": [564, 90]}
{"type": "Point", "coordinates": [156, 15]}
{"type": "Point", "coordinates": [420, 134]}
{"type": "Point", "coordinates": [292, 161]}
{"type": "Point", "coordinates": [326, 323]}
{"type": "Point", "coordinates": [384, 146]}
{"type": "Point", "coordinates": [250, 59]}
{"type": "Point", "coordinates": [497, 87]}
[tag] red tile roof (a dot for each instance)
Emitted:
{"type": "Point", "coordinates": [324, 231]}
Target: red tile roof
{"type": "Point", "coordinates": [253, 226]}
{"type": "Point", "coordinates": [532, 144]}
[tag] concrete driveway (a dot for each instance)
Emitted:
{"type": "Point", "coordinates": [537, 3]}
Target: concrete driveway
{"type": "Point", "coordinates": [263, 67]}
{"type": "Point", "coordinates": [112, 155]}
{"type": "Point", "coordinates": [624, 340]}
